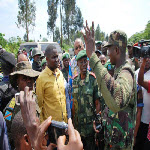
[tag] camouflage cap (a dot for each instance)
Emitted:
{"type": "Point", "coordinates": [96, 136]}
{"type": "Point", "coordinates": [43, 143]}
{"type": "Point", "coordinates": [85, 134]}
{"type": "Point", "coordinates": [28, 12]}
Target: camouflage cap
{"type": "Point", "coordinates": [118, 38]}
{"type": "Point", "coordinates": [65, 55]}
{"type": "Point", "coordinates": [81, 54]}
{"type": "Point", "coordinates": [22, 68]}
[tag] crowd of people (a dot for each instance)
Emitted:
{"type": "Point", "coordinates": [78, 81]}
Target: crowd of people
{"type": "Point", "coordinates": [102, 93]}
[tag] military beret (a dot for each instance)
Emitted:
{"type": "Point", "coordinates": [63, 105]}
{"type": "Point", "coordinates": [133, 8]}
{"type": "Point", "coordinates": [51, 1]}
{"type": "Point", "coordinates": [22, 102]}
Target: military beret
{"type": "Point", "coordinates": [81, 54]}
{"type": "Point", "coordinates": [65, 55]}
{"type": "Point", "coordinates": [8, 58]}
{"type": "Point", "coordinates": [118, 38]}
{"type": "Point", "coordinates": [98, 42]}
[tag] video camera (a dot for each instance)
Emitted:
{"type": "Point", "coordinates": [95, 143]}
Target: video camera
{"type": "Point", "coordinates": [142, 50]}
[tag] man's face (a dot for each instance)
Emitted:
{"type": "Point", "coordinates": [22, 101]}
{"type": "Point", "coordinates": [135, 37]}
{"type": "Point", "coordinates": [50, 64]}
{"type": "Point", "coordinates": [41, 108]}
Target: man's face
{"type": "Point", "coordinates": [130, 50]}
{"type": "Point", "coordinates": [66, 62]}
{"type": "Point", "coordinates": [37, 58]}
{"type": "Point", "coordinates": [24, 81]}
{"type": "Point", "coordinates": [98, 46]}
{"type": "Point", "coordinates": [103, 60]}
{"type": "Point", "coordinates": [52, 60]}
{"type": "Point", "coordinates": [82, 64]}
{"type": "Point", "coordinates": [112, 54]}
{"type": "Point", "coordinates": [78, 46]}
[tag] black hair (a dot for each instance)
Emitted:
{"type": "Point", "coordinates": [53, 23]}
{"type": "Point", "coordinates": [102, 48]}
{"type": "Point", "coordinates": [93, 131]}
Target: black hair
{"type": "Point", "coordinates": [18, 129]}
{"type": "Point", "coordinates": [49, 49]}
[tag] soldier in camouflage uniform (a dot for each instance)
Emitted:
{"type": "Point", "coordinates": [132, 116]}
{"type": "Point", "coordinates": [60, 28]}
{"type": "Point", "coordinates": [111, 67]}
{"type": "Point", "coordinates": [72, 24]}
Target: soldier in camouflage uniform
{"type": "Point", "coordinates": [23, 76]}
{"type": "Point", "coordinates": [85, 100]}
{"type": "Point", "coordinates": [119, 91]}
{"type": "Point", "coordinates": [65, 70]}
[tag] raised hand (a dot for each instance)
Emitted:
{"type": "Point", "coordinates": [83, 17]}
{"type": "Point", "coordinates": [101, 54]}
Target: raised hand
{"type": "Point", "coordinates": [89, 39]}
{"type": "Point", "coordinates": [35, 131]}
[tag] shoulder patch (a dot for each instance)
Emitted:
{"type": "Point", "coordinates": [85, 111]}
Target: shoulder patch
{"type": "Point", "coordinates": [93, 74]}
{"type": "Point", "coordinates": [75, 76]}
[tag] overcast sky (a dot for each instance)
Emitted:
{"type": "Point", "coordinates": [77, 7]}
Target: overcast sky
{"type": "Point", "coordinates": [130, 16]}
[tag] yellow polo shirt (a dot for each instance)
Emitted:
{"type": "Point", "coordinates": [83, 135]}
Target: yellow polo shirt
{"type": "Point", "coordinates": [50, 91]}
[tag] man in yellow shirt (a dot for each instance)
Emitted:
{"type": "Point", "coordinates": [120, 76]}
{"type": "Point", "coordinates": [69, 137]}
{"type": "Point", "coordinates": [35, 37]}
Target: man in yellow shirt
{"type": "Point", "coordinates": [50, 89]}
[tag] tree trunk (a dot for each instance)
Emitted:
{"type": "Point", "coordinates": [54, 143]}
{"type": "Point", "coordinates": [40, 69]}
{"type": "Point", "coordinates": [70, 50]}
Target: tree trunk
{"type": "Point", "coordinates": [27, 31]}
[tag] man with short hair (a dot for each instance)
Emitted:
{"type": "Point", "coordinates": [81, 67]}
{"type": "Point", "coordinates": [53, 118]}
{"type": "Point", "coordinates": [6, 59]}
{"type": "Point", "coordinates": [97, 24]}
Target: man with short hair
{"type": "Point", "coordinates": [119, 91]}
{"type": "Point", "coordinates": [130, 53]}
{"type": "Point", "coordinates": [19, 133]}
{"type": "Point", "coordinates": [85, 100]}
{"type": "Point", "coordinates": [65, 70]}
{"type": "Point", "coordinates": [73, 67]}
{"type": "Point", "coordinates": [103, 59]}
{"type": "Point", "coordinates": [36, 65]}
{"type": "Point", "coordinates": [50, 88]}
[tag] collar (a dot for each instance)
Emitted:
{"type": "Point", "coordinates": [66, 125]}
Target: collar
{"type": "Point", "coordinates": [50, 72]}
{"type": "Point", "coordinates": [85, 80]}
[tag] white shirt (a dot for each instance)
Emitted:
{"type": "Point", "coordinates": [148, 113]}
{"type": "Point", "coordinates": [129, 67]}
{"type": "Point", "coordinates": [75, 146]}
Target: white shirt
{"type": "Point", "coordinates": [145, 118]}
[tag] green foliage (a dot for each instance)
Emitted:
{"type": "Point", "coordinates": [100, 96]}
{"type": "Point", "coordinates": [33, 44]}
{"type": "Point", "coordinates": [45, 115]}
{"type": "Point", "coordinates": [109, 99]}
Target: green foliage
{"type": "Point", "coordinates": [3, 42]}
{"type": "Point", "coordinates": [141, 35]}
{"type": "Point", "coordinates": [52, 13]}
{"type": "Point", "coordinates": [11, 45]}
{"type": "Point", "coordinates": [56, 35]}
{"type": "Point", "coordinates": [26, 15]}
{"type": "Point", "coordinates": [99, 35]}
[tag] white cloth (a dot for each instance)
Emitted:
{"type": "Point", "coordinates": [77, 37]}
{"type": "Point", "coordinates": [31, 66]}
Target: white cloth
{"type": "Point", "coordinates": [145, 118]}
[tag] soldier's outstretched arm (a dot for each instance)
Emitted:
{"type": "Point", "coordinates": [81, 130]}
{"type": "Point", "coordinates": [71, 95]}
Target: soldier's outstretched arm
{"type": "Point", "coordinates": [116, 93]}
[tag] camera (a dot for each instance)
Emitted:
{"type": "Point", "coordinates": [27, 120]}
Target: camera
{"type": "Point", "coordinates": [142, 50]}
{"type": "Point", "coordinates": [57, 129]}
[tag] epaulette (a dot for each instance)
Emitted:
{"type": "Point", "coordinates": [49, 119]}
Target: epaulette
{"type": "Point", "coordinates": [75, 76]}
{"type": "Point", "coordinates": [93, 74]}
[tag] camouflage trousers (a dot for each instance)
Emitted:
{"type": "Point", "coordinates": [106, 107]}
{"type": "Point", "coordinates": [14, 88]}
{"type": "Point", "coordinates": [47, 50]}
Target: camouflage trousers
{"type": "Point", "coordinates": [88, 142]}
{"type": "Point", "coordinates": [107, 147]}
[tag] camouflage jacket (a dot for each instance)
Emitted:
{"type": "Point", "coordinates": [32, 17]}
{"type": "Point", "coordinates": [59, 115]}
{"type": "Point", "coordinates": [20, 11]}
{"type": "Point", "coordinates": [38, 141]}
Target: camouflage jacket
{"type": "Point", "coordinates": [85, 92]}
{"type": "Point", "coordinates": [65, 74]}
{"type": "Point", "coordinates": [119, 93]}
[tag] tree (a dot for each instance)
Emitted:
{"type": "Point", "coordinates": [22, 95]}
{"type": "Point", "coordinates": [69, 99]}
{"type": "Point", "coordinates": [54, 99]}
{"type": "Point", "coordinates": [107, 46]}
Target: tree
{"type": "Point", "coordinates": [57, 35]}
{"type": "Point", "coordinates": [52, 13]}
{"type": "Point", "coordinates": [147, 31]}
{"type": "Point", "coordinates": [26, 15]}
{"type": "Point", "coordinates": [97, 33]}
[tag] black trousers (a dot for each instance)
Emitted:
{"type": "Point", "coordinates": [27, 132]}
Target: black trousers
{"type": "Point", "coordinates": [142, 142]}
